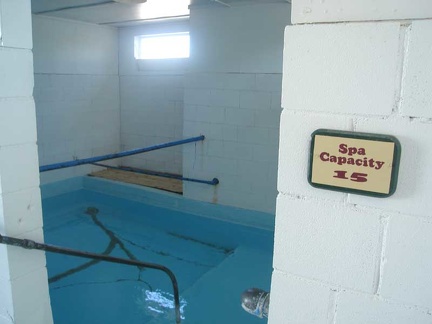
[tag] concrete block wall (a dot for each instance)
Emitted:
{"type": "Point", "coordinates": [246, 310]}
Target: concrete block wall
{"type": "Point", "coordinates": [232, 96]}
{"type": "Point", "coordinates": [24, 296]}
{"type": "Point", "coordinates": [365, 10]}
{"type": "Point", "coordinates": [76, 93]}
{"type": "Point", "coordinates": [151, 93]}
{"type": "Point", "coordinates": [343, 258]}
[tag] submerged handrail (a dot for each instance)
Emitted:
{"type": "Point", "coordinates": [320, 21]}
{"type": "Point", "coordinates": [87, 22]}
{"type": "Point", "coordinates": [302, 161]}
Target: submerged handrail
{"type": "Point", "coordinates": [212, 182]}
{"type": "Point", "coordinates": [95, 159]}
{"type": "Point", "coordinates": [29, 244]}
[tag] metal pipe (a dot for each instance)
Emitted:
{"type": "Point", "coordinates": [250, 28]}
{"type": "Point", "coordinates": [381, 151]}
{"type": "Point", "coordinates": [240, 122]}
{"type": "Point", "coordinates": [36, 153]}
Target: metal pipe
{"type": "Point", "coordinates": [29, 244]}
{"type": "Point", "coordinates": [212, 182]}
{"type": "Point", "coordinates": [222, 3]}
{"type": "Point", "coordinates": [129, 22]}
{"type": "Point", "coordinates": [95, 159]}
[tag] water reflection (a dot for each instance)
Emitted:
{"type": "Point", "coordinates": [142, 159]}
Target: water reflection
{"type": "Point", "coordinates": [160, 305]}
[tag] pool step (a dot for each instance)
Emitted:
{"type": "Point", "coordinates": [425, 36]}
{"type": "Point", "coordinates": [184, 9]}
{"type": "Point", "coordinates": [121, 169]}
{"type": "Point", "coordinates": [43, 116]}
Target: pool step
{"type": "Point", "coordinates": [216, 297]}
{"type": "Point", "coordinates": [171, 185]}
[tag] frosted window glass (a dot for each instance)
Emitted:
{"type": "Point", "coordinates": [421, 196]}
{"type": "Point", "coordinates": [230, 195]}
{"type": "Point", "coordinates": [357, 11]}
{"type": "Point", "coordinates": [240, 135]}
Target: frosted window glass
{"type": "Point", "coordinates": [162, 46]}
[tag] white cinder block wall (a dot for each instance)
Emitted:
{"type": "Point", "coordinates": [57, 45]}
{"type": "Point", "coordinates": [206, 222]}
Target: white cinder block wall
{"type": "Point", "coordinates": [343, 258]}
{"type": "Point", "coordinates": [76, 92]}
{"type": "Point", "coordinates": [232, 96]}
{"type": "Point", "coordinates": [151, 101]}
{"type": "Point", "coordinates": [24, 296]}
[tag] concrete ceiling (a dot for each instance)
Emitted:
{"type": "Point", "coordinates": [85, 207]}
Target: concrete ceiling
{"type": "Point", "coordinates": [126, 12]}
{"type": "Point", "coordinates": [110, 12]}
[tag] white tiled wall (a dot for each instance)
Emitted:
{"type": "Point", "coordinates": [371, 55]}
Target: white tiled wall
{"type": "Point", "coordinates": [76, 93]}
{"type": "Point", "coordinates": [232, 96]}
{"type": "Point", "coordinates": [78, 117]}
{"type": "Point", "coordinates": [372, 254]}
{"type": "Point", "coordinates": [228, 90]}
{"type": "Point", "coordinates": [241, 125]}
{"type": "Point", "coordinates": [151, 94]}
{"type": "Point", "coordinates": [152, 113]}
{"type": "Point", "coordinates": [70, 47]}
{"type": "Point", "coordinates": [24, 294]}
{"type": "Point", "coordinates": [231, 39]}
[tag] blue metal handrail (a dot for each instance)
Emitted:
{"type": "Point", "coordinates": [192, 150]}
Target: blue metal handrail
{"type": "Point", "coordinates": [213, 182]}
{"type": "Point", "coordinates": [95, 159]}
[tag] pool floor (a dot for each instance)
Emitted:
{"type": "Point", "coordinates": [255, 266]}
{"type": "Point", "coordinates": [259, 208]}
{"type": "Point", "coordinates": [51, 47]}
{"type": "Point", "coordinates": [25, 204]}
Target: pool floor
{"type": "Point", "coordinates": [214, 262]}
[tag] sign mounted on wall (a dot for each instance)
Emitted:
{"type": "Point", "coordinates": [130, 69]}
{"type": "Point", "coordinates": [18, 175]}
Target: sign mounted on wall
{"type": "Point", "coordinates": [359, 163]}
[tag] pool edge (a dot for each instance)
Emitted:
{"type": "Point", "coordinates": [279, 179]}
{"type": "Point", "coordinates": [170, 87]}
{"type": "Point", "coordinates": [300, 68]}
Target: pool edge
{"type": "Point", "coordinates": [160, 198]}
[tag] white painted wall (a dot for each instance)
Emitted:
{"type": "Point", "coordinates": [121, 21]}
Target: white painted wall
{"type": "Point", "coordinates": [151, 101]}
{"type": "Point", "coordinates": [245, 38]}
{"type": "Point", "coordinates": [76, 92]}
{"type": "Point", "coordinates": [24, 296]}
{"type": "Point", "coordinates": [342, 258]}
{"type": "Point", "coordinates": [232, 96]}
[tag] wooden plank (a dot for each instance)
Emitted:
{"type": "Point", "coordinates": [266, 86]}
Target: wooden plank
{"type": "Point", "coordinates": [172, 185]}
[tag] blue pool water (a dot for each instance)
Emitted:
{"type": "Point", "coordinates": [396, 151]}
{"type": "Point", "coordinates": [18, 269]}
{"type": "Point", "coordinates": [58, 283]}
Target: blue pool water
{"type": "Point", "coordinates": [214, 260]}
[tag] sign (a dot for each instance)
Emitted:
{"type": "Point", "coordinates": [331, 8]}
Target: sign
{"type": "Point", "coordinates": [360, 163]}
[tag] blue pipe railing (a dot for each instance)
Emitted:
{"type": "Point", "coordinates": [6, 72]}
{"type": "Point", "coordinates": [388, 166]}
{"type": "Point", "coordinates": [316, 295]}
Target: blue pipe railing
{"type": "Point", "coordinates": [95, 159]}
{"type": "Point", "coordinates": [213, 182]}
{"type": "Point", "coordinates": [29, 244]}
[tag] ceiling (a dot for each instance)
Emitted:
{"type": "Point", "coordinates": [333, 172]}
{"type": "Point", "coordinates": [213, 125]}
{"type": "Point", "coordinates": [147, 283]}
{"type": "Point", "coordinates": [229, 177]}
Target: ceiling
{"type": "Point", "coordinates": [125, 12]}
{"type": "Point", "coordinates": [112, 12]}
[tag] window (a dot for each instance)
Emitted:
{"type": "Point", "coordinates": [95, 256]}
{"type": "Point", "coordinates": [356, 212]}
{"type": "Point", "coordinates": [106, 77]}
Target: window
{"type": "Point", "coordinates": [162, 46]}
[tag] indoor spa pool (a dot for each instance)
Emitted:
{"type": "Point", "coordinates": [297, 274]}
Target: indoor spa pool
{"type": "Point", "coordinates": [215, 252]}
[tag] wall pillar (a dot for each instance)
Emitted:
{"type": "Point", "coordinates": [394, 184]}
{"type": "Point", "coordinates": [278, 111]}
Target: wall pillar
{"type": "Point", "coordinates": [343, 258]}
{"type": "Point", "coordinates": [24, 296]}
